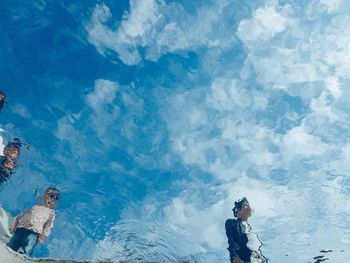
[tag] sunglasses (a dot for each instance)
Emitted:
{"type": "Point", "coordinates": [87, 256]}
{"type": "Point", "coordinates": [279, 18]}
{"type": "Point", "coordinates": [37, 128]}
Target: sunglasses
{"type": "Point", "coordinates": [53, 195]}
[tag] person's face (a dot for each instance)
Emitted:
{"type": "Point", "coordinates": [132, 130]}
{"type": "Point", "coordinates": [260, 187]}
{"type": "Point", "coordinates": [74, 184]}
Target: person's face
{"type": "Point", "coordinates": [245, 211]}
{"type": "Point", "coordinates": [11, 153]}
{"type": "Point", "coordinates": [51, 199]}
{"type": "Point", "coordinates": [9, 164]}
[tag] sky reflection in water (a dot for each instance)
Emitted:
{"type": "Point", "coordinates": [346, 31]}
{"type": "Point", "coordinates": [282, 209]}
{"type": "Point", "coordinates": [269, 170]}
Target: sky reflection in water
{"type": "Point", "coordinates": [152, 117]}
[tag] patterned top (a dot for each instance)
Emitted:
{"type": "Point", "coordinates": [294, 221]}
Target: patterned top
{"type": "Point", "coordinates": [38, 219]}
{"type": "Point", "coordinates": [254, 243]}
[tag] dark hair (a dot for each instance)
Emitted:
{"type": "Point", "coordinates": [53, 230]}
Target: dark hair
{"type": "Point", "coordinates": [238, 205]}
{"type": "Point", "coordinates": [13, 145]}
{"type": "Point", "coordinates": [16, 144]}
{"type": "Point", "coordinates": [55, 190]}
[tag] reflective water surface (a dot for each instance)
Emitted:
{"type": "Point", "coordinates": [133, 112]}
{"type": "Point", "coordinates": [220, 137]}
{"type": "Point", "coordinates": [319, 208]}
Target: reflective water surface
{"type": "Point", "coordinates": [153, 116]}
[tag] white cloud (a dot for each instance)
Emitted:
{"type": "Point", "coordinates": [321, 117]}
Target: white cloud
{"type": "Point", "coordinates": [143, 16]}
{"type": "Point", "coordinates": [21, 110]}
{"type": "Point", "coordinates": [160, 28]}
{"type": "Point", "coordinates": [237, 142]}
{"type": "Point", "coordinates": [334, 87]}
{"type": "Point", "coordinates": [104, 38]}
{"type": "Point", "coordinates": [265, 24]}
{"type": "Point", "coordinates": [104, 93]}
{"type": "Point", "coordinates": [301, 53]}
{"type": "Point", "coordinates": [299, 142]}
{"type": "Point", "coordinates": [106, 112]}
{"type": "Point", "coordinates": [323, 108]}
{"type": "Point", "coordinates": [331, 5]}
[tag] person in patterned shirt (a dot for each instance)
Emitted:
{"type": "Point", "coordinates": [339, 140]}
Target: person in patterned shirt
{"type": "Point", "coordinates": [34, 225]}
{"type": "Point", "coordinates": [244, 244]}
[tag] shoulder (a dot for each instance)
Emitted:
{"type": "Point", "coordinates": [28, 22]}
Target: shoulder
{"type": "Point", "coordinates": [49, 210]}
{"type": "Point", "coordinates": [230, 222]}
{"type": "Point", "coordinates": [35, 208]}
{"type": "Point", "coordinates": [43, 209]}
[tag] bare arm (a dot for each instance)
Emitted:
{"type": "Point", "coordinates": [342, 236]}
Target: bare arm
{"type": "Point", "coordinates": [41, 238]}
{"type": "Point", "coordinates": [13, 227]}
{"type": "Point", "coordinates": [46, 229]}
{"type": "Point", "coordinates": [236, 259]}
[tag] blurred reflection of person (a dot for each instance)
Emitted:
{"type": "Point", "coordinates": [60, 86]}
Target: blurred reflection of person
{"type": "Point", "coordinates": [2, 99]}
{"type": "Point", "coordinates": [34, 225]}
{"type": "Point", "coordinates": [244, 244]}
{"type": "Point", "coordinates": [9, 160]}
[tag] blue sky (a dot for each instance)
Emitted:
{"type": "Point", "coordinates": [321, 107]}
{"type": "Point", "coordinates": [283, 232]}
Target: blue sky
{"type": "Point", "coordinates": [152, 117]}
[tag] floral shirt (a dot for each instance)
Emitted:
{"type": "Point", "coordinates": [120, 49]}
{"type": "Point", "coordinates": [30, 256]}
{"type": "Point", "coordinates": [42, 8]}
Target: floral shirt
{"type": "Point", "coordinates": [38, 219]}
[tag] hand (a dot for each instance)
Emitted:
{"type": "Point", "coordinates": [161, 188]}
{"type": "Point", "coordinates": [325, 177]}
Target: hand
{"type": "Point", "coordinates": [41, 238]}
{"type": "Point", "coordinates": [236, 259]}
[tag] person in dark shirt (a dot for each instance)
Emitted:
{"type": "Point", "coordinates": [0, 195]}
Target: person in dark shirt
{"type": "Point", "coordinates": [2, 99]}
{"type": "Point", "coordinates": [6, 168]}
{"type": "Point", "coordinates": [244, 245]}
{"type": "Point", "coordinates": [9, 161]}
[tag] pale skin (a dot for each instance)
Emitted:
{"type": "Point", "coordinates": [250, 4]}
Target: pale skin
{"type": "Point", "coordinates": [244, 213]}
{"type": "Point", "coordinates": [49, 203]}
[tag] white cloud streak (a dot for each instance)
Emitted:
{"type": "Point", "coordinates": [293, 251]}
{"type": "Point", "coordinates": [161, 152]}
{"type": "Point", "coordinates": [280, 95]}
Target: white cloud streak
{"type": "Point", "coordinates": [160, 28]}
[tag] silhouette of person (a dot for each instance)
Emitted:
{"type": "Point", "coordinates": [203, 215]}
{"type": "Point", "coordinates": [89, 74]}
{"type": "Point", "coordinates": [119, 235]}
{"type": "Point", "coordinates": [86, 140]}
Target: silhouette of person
{"type": "Point", "coordinates": [244, 244]}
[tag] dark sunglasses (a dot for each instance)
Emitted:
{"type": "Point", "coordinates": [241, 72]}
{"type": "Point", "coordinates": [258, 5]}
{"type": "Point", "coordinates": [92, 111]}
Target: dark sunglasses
{"type": "Point", "coordinates": [55, 196]}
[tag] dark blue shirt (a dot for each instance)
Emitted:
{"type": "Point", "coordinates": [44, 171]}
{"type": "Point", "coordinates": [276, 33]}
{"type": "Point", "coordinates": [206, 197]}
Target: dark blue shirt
{"type": "Point", "coordinates": [237, 240]}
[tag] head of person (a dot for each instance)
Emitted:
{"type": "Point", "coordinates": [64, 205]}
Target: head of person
{"type": "Point", "coordinates": [242, 209]}
{"type": "Point", "coordinates": [51, 197]}
{"type": "Point", "coordinates": [8, 163]}
{"type": "Point", "coordinates": [2, 99]}
{"type": "Point", "coordinates": [12, 150]}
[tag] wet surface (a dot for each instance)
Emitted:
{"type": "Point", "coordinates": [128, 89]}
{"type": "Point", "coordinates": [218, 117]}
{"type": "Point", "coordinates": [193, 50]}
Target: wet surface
{"type": "Point", "coordinates": [326, 255]}
{"type": "Point", "coordinates": [153, 117]}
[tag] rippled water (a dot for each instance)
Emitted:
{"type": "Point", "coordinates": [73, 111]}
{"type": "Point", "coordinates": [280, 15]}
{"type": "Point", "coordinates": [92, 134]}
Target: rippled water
{"type": "Point", "coordinates": [153, 116]}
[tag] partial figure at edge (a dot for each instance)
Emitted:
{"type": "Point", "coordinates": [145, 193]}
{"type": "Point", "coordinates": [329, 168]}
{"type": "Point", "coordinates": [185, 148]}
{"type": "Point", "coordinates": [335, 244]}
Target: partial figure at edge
{"type": "Point", "coordinates": [244, 244]}
{"type": "Point", "coordinates": [2, 99]}
{"type": "Point", "coordinates": [10, 158]}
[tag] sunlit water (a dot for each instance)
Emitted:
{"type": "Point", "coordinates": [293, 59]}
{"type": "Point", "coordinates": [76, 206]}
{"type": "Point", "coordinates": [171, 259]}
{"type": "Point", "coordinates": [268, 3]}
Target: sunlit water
{"type": "Point", "coordinates": [152, 117]}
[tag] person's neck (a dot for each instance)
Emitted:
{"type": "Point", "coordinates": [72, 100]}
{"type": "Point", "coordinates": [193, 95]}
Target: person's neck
{"type": "Point", "coordinates": [244, 219]}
